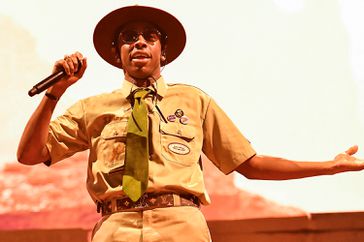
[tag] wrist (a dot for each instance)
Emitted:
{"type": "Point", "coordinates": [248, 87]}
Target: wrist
{"type": "Point", "coordinates": [332, 167]}
{"type": "Point", "coordinates": [54, 93]}
{"type": "Point", "coordinates": [51, 96]}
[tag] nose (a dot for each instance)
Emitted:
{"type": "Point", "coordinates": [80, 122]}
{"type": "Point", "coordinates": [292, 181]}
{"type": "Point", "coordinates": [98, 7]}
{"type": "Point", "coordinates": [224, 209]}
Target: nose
{"type": "Point", "coordinates": [141, 42]}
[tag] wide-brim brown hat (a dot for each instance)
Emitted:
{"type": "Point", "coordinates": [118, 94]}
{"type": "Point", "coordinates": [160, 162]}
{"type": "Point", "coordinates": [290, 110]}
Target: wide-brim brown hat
{"type": "Point", "coordinates": [106, 31]}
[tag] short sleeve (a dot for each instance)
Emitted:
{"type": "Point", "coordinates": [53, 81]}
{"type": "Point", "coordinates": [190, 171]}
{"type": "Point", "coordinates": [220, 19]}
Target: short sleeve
{"type": "Point", "coordinates": [223, 142]}
{"type": "Point", "coordinates": [67, 134]}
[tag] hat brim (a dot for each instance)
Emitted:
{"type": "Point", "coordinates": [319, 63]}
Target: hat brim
{"type": "Point", "coordinates": [106, 31]}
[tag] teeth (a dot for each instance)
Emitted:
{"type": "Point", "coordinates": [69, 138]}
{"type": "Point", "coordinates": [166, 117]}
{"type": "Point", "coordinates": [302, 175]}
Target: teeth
{"type": "Point", "coordinates": [140, 56]}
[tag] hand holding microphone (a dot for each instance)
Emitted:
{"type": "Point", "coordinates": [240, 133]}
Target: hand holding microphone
{"type": "Point", "coordinates": [65, 72]}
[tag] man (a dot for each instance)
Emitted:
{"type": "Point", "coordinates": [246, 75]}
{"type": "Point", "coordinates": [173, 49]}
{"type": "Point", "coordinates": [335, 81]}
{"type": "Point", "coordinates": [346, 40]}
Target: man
{"type": "Point", "coordinates": [145, 139]}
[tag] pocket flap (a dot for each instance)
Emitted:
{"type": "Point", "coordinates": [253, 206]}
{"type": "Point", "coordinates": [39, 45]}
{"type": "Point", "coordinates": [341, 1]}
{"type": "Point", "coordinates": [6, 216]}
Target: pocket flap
{"type": "Point", "coordinates": [114, 130]}
{"type": "Point", "coordinates": [183, 131]}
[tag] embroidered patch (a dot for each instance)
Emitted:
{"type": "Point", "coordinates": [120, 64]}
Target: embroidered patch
{"type": "Point", "coordinates": [179, 148]}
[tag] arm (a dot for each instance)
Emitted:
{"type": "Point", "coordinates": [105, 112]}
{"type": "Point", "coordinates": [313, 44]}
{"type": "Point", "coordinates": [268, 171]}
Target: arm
{"type": "Point", "coordinates": [32, 146]}
{"type": "Point", "coordinates": [274, 168]}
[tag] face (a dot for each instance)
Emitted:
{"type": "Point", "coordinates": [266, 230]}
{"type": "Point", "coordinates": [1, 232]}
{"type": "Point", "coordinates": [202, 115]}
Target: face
{"type": "Point", "coordinates": [140, 53]}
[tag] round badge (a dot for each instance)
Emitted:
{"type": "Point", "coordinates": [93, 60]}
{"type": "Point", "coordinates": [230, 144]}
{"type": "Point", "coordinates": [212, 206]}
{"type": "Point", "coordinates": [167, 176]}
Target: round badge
{"type": "Point", "coordinates": [184, 120]}
{"type": "Point", "coordinates": [171, 118]}
{"type": "Point", "coordinates": [179, 113]}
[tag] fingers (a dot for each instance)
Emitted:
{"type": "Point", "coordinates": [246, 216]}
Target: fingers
{"type": "Point", "coordinates": [66, 64]}
{"type": "Point", "coordinates": [71, 64]}
{"type": "Point", "coordinates": [82, 67]}
{"type": "Point", "coordinates": [352, 150]}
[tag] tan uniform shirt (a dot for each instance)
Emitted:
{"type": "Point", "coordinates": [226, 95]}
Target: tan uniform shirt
{"type": "Point", "coordinates": [187, 123]}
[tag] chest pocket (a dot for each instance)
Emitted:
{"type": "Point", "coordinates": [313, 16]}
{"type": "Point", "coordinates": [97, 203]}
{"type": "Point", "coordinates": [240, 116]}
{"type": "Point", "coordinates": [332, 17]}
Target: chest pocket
{"type": "Point", "coordinates": [177, 143]}
{"type": "Point", "coordinates": [111, 150]}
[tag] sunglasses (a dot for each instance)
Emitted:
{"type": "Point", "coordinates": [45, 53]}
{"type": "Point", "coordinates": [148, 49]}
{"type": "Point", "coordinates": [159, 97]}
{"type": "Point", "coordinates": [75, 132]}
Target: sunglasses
{"type": "Point", "coordinates": [132, 36]}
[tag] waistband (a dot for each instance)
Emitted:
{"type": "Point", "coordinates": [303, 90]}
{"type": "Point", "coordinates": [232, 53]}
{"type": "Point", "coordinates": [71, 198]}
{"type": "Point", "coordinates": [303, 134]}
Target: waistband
{"type": "Point", "coordinates": [145, 202]}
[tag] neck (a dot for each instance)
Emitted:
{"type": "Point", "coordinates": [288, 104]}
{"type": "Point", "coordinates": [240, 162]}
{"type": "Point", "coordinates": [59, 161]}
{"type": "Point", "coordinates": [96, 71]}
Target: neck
{"type": "Point", "coordinates": [141, 82]}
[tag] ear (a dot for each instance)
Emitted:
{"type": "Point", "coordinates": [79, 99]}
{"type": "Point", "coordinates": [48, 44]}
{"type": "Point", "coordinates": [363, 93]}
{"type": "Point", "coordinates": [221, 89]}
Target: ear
{"type": "Point", "coordinates": [116, 53]}
{"type": "Point", "coordinates": [163, 59]}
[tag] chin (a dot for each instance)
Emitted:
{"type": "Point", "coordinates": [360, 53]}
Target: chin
{"type": "Point", "coordinates": [142, 73]}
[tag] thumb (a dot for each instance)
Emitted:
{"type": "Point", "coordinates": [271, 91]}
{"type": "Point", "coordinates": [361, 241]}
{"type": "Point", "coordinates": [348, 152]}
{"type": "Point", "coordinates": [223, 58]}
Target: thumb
{"type": "Point", "coordinates": [352, 150]}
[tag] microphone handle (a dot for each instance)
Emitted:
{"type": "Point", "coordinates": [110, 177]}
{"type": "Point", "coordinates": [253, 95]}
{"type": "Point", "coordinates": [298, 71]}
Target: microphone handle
{"type": "Point", "coordinates": [46, 83]}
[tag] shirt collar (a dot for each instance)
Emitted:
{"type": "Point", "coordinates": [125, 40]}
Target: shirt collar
{"type": "Point", "coordinates": [159, 86]}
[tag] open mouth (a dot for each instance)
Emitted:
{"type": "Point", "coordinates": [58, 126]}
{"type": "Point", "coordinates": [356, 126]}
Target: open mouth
{"type": "Point", "coordinates": [139, 56]}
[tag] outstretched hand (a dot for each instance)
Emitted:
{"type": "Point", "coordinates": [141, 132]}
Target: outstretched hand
{"type": "Point", "coordinates": [347, 162]}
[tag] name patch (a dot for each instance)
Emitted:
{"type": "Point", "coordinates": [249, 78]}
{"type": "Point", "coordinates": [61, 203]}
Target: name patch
{"type": "Point", "coordinates": [179, 148]}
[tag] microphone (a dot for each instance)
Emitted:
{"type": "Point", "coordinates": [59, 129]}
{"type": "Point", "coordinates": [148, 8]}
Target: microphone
{"type": "Point", "coordinates": [49, 81]}
{"type": "Point", "coordinates": [46, 83]}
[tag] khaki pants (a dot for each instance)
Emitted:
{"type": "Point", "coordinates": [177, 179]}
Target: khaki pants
{"type": "Point", "coordinates": [172, 224]}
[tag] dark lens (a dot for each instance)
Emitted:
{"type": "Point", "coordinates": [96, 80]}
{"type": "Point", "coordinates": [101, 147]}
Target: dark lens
{"type": "Point", "coordinates": [151, 35]}
{"type": "Point", "coordinates": [129, 36]}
